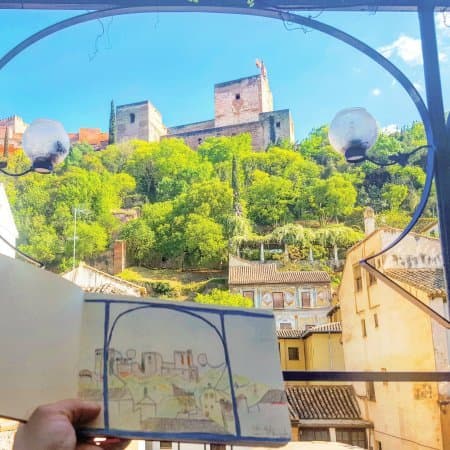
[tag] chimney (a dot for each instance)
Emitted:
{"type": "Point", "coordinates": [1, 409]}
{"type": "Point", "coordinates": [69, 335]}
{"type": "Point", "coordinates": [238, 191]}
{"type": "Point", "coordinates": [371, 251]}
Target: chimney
{"type": "Point", "coordinates": [119, 256]}
{"type": "Point", "coordinates": [369, 220]}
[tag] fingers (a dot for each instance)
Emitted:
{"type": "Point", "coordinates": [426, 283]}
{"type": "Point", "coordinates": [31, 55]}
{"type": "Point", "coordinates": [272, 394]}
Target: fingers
{"type": "Point", "coordinates": [120, 444]}
{"type": "Point", "coordinates": [105, 443]}
{"type": "Point", "coordinates": [78, 412]}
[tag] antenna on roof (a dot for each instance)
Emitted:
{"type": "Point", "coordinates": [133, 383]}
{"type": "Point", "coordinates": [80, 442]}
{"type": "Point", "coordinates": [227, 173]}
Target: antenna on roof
{"type": "Point", "coordinates": [261, 66]}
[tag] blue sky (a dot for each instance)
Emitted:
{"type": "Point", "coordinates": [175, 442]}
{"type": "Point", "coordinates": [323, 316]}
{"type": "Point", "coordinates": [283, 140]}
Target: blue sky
{"type": "Point", "coordinates": [173, 60]}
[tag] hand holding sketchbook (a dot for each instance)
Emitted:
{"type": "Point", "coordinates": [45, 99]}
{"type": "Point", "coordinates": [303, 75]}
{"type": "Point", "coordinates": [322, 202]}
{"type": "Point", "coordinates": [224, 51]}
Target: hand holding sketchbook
{"type": "Point", "coordinates": [161, 370]}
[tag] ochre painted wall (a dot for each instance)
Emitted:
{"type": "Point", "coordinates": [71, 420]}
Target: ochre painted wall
{"type": "Point", "coordinates": [323, 351]}
{"type": "Point", "coordinates": [383, 331]}
{"type": "Point", "coordinates": [286, 363]}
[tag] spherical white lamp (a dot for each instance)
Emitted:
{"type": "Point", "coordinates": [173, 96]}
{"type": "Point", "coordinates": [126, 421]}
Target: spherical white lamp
{"type": "Point", "coordinates": [46, 143]}
{"type": "Point", "coordinates": [352, 132]}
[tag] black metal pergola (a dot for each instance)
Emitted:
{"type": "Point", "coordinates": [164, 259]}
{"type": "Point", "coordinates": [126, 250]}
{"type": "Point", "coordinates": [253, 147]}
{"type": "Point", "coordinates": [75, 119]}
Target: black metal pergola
{"type": "Point", "coordinates": [431, 110]}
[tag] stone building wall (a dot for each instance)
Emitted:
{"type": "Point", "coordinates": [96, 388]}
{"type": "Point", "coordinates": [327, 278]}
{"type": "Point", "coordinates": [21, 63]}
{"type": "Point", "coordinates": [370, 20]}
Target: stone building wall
{"type": "Point", "coordinates": [191, 127]}
{"type": "Point", "coordinates": [277, 126]}
{"type": "Point", "coordinates": [271, 127]}
{"type": "Point", "coordinates": [16, 127]}
{"type": "Point", "coordinates": [139, 121]}
{"type": "Point", "coordinates": [194, 138]}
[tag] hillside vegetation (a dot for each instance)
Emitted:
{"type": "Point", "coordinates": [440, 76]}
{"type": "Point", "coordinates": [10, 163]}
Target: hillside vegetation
{"type": "Point", "coordinates": [195, 207]}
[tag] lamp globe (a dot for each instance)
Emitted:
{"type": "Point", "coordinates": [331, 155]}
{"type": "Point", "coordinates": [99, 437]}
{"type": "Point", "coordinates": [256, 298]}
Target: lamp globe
{"type": "Point", "coordinates": [46, 143]}
{"type": "Point", "coordinates": [352, 132]}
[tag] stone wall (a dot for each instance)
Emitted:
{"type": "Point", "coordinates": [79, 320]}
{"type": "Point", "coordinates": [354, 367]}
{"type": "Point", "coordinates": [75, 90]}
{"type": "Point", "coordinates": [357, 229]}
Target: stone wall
{"type": "Point", "coordinates": [190, 127]}
{"type": "Point", "coordinates": [270, 128]}
{"type": "Point", "coordinates": [194, 138]}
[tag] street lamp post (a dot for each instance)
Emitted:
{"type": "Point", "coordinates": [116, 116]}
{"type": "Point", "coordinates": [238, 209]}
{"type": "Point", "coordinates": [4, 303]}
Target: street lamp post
{"type": "Point", "coordinates": [75, 237]}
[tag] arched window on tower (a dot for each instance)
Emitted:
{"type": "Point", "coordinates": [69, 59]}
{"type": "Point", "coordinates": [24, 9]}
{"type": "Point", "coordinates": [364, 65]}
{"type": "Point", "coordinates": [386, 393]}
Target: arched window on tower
{"type": "Point", "coordinates": [132, 118]}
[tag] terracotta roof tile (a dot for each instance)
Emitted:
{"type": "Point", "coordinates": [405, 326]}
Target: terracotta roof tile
{"type": "Point", "coordinates": [430, 281]}
{"type": "Point", "coordinates": [268, 274]}
{"type": "Point", "coordinates": [322, 402]}
{"type": "Point", "coordinates": [288, 333]}
{"type": "Point", "coordinates": [331, 327]}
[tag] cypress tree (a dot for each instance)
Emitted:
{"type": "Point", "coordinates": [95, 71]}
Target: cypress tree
{"type": "Point", "coordinates": [6, 144]}
{"type": "Point", "coordinates": [112, 125]}
{"type": "Point", "coordinates": [235, 186]}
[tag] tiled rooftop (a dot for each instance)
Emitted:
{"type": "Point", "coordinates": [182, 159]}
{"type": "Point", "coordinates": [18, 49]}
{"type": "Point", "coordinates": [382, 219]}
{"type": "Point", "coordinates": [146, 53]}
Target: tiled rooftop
{"type": "Point", "coordinates": [269, 274]}
{"type": "Point", "coordinates": [332, 327]}
{"type": "Point", "coordinates": [430, 281]}
{"type": "Point", "coordinates": [288, 333]}
{"type": "Point", "coordinates": [322, 402]}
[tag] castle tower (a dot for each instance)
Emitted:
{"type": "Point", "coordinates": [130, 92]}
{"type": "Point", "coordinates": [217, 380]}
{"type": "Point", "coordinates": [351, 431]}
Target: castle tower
{"type": "Point", "coordinates": [243, 100]}
{"type": "Point", "coordinates": [139, 121]}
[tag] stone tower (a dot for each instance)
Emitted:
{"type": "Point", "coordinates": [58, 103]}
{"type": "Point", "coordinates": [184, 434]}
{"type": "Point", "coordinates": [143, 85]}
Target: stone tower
{"type": "Point", "coordinates": [242, 101]}
{"type": "Point", "coordinates": [139, 121]}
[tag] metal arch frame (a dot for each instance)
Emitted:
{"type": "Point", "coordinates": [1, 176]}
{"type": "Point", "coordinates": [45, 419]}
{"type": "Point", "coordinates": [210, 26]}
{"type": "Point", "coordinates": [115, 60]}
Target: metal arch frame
{"type": "Point", "coordinates": [433, 117]}
{"type": "Point", "coordinates": [291, 5]}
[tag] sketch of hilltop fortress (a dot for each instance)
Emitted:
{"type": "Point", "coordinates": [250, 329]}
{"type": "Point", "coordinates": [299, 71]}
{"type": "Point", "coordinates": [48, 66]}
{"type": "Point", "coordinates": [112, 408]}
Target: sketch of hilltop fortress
{"type": "Point", "coordinates": [151, 364]}
{"type": "Point", "coordinates": [205, 379]}
{"type": "Point", "coordinates": [147, 392]}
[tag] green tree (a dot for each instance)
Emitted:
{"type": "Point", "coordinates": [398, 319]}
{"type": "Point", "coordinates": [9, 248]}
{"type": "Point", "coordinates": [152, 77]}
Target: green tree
{"type": "Point", "coordinates": [166, 169]}
{"type": "Point", "coordinates": [92, 240]}
{"type": "Point", "coordinates": [393, 218]}
{"type": "Point", "coordinates": [115, 157]}
{"type": "Point", "coordinates": [269, 199]}
{"type": "Point", "coordinates": [213, 198]}
{"type": "Point", "coordinates": [235, 186]}
{"type": "Point", "coordinates": [76, 155]}
{"type": "Point", "coordinates": [140, 240]}
{"type": "Point", "coordinates": [6, 144]}
{"type": "Point", "coordinates": [204, 241]}
{"type": "Point", "coordinates": [394, 195]}
{"type": "Point", "coordinates": [332, 198]}
{"type": "Point", "coordinates": [224, 298]}
{"type": "Point", "coordinates": [112, 138]}
{"type": "Point", "coordinates": [222, 149]}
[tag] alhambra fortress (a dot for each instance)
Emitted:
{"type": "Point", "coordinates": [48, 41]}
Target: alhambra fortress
{"type": "Point", "coordinates": [244, 105]}
{"type": "Point", "coordinates": [241, 106]}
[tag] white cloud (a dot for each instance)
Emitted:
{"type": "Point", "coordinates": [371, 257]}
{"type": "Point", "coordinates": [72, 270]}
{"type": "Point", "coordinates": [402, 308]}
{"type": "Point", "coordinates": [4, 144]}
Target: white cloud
{"type": "Point", "coordinates": [376, 92]}
{"type": "Point", "coordinates": [406, 48]}
{"type": "Point", "coordinates": [409, 49]}
{"type": "Point", "coordinates": [391, 129]}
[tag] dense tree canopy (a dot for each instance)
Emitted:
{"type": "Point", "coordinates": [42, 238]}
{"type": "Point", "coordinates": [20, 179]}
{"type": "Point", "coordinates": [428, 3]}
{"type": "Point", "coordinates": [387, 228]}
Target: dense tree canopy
{"type": "Point", "coordinates": [196, 206]}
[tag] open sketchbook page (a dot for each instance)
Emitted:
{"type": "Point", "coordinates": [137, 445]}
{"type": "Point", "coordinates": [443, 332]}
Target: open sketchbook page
{"type": "Point", "coordinates": [161, 370]}
{"type": "Point", "coordinates": [183, 371]}
{"type": "Point", "coordinates": [40, 323]}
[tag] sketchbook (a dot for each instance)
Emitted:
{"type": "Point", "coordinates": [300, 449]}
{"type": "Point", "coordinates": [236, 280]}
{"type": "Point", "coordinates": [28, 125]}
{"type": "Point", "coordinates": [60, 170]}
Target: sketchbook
{"type": "Point", "coordinates": [176, 371]}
